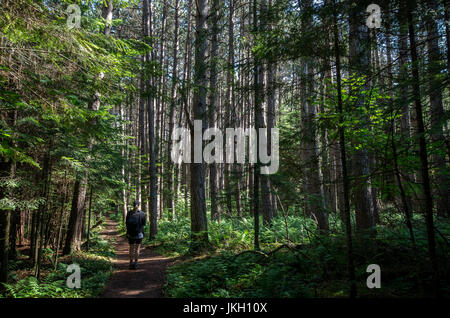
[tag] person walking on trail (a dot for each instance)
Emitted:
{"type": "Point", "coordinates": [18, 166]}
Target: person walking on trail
{"type": "Point", "coordinates": [135, 222]}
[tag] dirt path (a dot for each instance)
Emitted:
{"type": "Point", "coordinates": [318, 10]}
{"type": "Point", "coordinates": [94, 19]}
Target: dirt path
{"type": "Point", "coordinates": [146, 281]}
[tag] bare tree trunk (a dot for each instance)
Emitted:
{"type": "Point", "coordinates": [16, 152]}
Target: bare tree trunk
{"type": "Point", "coordinates": [160, 111]}
{"type": "Point", "coordinates": [7, 170]}
{"type": "Point", "coordinates": [422, 147]}
{"type": "Point", "coordinates": [233, 169]}
{"type": "Point", "coordinates": [185, 91]}
{"type": "Point", "coordinates": [61, 218]}
{"type": "Point", "coordinates": [329, 195]}
{"type": "Point", "coordinates": [266, 203]}
{"type": "Point", "coordinates": [147, 26]}
{"type": "Point", "coordinates": [122, 170]}
{"type": "Point", "coordinates": [142, 137]}
{"type": "Point", "coordinates": [372, 156]}
{"type": "Point", "coordinates": [405, 121]}
{"type": "Point", "coordinates": [258, 100]}
{"type": "Point", "coordinates": [89, 221]}
{"type": "Point", "coordinates": [228, 109]}
{"type": "Point", "coordinates": [5, 220]}
{"type": "Point", "coordinates": [359, 64]}
{"type": "Point", "coordinates": [437, 110]}
{"type": "Point", "coordinates": [43, 211]}
{"type": "Point", "coordinates": [447, 31]}
{"type": "Point", "coordinates": [343, 159]}
{"type": "Point", "coordinates": [213, 110]}
{"type": "Point", "coordinates": [315, 206]}
{"type": "Point", "coordinates": [76, 214]}
{"type": "Point", "coordinates": [170, 172]}
{"type": "Point", "coordinates": [199, 230]}
{"type": "Point", "coordinates": [271, 117]}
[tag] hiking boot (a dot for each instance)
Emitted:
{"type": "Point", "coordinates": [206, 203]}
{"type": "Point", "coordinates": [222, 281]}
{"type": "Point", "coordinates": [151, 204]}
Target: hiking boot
{"type": "Point", "coordinates": [131, 265]}
{"type": "Point", "coordinates": [135, 265]}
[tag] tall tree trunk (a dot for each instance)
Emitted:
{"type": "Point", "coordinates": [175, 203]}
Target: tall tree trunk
{"type": "Point", "coordinates": [359, 64]}
{"type": "Point", "coordinates": [161, 113]}
{"type": "Point", "coordinates": [258, 99]}
{"type": "Point", "coordinates": [447, 31]}
{"type": "Point", "coordinates": [42, 211]}
{"type": "Point", "coordinates": [270, 115]}
{"type": "Point", "coordinates": [327, 166]}
{"type": "Point", "coordinates": [147, 26]}
{"type": "Point", "coordinates": [5, 218]}
{"type": "Point", "coordinates": [437, 109]}
{"type": "Point", "coordinates": [142, 138]}
{"type": "Point", "coordinates": [170, 172]}
{"type": "Point", "coordinates": [122, 170]}
{"type": "Point", "coordinates": [76, 215]}
{"type": "Point", "coordinates": [407, 6]}
{"type": "Point", "coordinates": [61, 218]}
{"type": "Point", "coordinates": [212, 112]}
{"type": "Point", "coordinates": [266, 203]}
{"type": "Point", "coordinates": [185, 92]}
{"type": "Point", "coordinates": [7, 170]}
{"type": "Point", "coordinates": [5, 222]}
{"type": "Point", "coordinates": [343, 159]}
{"type": "Point", "coordinates": [315, 206]}
{"type": "Point", "coordinates": [199, 228]}
{"type": "Point", "coordinates": [231, 96]}
{"type": "Point", "coordinates": [14, 224]}
{"type": "Point", "coordinates": [405, 121]}
{"type": "Point", "coordinates": [229, 110]}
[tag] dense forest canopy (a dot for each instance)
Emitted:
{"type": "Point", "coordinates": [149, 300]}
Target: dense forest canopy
{"type": "Point", "coordinates": [352, 98]}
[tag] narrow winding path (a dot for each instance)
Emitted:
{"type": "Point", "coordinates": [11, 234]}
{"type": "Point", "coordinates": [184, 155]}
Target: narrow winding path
{"type": "Point", "coordinates": [146, 281]}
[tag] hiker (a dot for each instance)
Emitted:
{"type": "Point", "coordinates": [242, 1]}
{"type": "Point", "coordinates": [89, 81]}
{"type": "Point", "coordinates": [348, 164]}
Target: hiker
{"type": "Point", "coordinates": [135, 222]}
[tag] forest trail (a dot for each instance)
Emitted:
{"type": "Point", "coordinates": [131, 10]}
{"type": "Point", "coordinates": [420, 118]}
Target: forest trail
{"type": "Point", "coordinates": [146, 281]}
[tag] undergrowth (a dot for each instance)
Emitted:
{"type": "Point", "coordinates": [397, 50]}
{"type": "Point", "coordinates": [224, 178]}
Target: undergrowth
{"type": "Point", "coordinates": [295, 262]}
{"type": "Point", "coordinates": [95, 266]}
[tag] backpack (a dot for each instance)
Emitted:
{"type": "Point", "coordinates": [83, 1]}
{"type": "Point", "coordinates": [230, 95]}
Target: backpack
{"type": "Point", "coordinates": [134, 224]}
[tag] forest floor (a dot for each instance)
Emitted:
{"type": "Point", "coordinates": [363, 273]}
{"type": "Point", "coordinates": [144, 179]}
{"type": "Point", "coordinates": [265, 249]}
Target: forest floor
{"type": "Point", "coordinates": [146, 281]}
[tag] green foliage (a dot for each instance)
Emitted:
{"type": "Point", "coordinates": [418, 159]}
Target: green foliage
{"type": "Point", "coordinates": [233, 234]}
{"type": "Point", "coordinates": [226, 275]}
{"type": "Point", "coordinates": [311, 267]}
{"type": "Point", "coordinates": [52, 101]}
{"type": "Point", "coordinates": [101, 247]}
{"type": "Point", "coordinates": [95, 265]}
{"type": "Point", "coordinates": [95, 272]}
{"type": "Point", "coordinates": [173, 237]}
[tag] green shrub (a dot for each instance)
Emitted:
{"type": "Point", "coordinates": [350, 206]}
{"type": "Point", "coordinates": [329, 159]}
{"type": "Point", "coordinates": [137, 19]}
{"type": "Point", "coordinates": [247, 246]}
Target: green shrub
{"type": "Point", "coordinates": [312, 267]}
{"type": "Point", "coordinates": [95, 272]}
{"type": "Point", "coordinates": [95, 266]}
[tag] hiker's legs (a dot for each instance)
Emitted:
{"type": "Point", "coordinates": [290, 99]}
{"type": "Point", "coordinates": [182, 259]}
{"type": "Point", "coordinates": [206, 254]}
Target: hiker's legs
{"type": "Point", "coordinates": [132, 252]}
{"type": "Point", "coordinates": [136, 251]}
